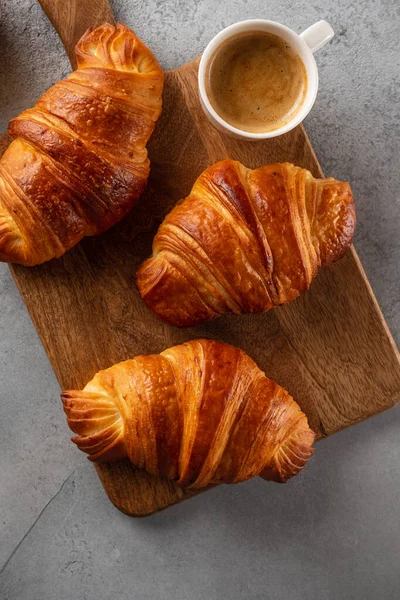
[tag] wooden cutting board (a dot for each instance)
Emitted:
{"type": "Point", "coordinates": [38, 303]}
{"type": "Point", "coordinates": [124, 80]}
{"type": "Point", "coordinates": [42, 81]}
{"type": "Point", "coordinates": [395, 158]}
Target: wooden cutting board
{"type": "Point", "coordinates": [330, 348]}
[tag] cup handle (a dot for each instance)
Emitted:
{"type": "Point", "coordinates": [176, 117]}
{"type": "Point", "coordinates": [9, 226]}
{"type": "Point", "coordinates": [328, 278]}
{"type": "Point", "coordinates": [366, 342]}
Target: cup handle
{"type": "Point", "coordinates": [317, 35]}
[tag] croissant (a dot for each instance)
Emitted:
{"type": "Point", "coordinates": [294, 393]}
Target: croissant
{"type": "Point", "coordinates": [79, 160]}
{"type": "Point", "coordinates": [245, 241]}
{"type": "Point", "coordinates": [201, 413]}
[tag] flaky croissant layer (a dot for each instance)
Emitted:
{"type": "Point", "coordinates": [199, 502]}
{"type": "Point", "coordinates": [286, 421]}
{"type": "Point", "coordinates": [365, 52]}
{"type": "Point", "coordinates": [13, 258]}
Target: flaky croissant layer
{"type": "Point", "coordinates": [200, 413]}
{"type": "Point", "coordinates": [245, 241]}
{"type": "Point", "coordinates": [79, 160]}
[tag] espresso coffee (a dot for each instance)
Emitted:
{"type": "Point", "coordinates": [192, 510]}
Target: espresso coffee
{"type": "Point", "coordinates": [256, 82]}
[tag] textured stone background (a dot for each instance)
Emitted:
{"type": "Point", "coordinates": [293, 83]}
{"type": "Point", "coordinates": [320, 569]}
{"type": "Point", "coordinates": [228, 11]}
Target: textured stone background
{"type": "Point", "coordinates": [332, 533]}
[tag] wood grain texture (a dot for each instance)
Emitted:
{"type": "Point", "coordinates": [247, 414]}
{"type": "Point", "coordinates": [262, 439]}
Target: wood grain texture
{"type": "Point", "coordinates": [71, 18]}
{"type": "Point", "coordinates": [330, 348]}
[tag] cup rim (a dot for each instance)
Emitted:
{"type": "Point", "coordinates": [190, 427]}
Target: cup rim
{"type": "Point", "coordinates": [213, 45]}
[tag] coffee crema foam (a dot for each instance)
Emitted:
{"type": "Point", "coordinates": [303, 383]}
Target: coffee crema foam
{"type": "Point", "coordinates": [256, 82]}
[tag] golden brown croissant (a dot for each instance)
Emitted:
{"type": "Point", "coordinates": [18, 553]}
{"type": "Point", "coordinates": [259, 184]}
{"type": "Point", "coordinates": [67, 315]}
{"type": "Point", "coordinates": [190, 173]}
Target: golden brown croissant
{"type": "Point", "coordinates": [79, 158]}
{"type": "Point", "coordinates": [245, 241]}
{"type": "Point", "coordinates": [199, 413]}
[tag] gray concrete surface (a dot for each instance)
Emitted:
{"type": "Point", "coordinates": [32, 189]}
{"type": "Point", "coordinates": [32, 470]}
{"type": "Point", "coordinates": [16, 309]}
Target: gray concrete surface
{"type": "Point", "coordinates": [332, 533]}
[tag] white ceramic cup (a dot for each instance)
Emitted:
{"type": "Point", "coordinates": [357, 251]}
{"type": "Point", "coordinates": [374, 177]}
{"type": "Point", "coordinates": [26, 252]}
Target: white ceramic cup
{"type": "Point", "coordinates": [305, 44]}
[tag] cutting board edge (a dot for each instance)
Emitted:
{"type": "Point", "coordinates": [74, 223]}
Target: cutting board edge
{"type": "Point", "coordinates": [131, 513]}
{"type": "Point", "coordinates": [373, 297]}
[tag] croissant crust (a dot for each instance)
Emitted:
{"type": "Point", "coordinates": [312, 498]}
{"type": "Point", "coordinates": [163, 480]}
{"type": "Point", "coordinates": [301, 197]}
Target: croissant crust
{"type": "Point", "coordinates": [245, 241]}
{"type": "Point", "coordinates": [79, 160]}
{"type": "Point", "coordinates": [200, 413]}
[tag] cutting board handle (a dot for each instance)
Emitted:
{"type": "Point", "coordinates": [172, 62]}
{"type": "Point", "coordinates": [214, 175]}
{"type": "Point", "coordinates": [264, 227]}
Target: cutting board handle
{"type": "Point", "coordinates": [71, 18]}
